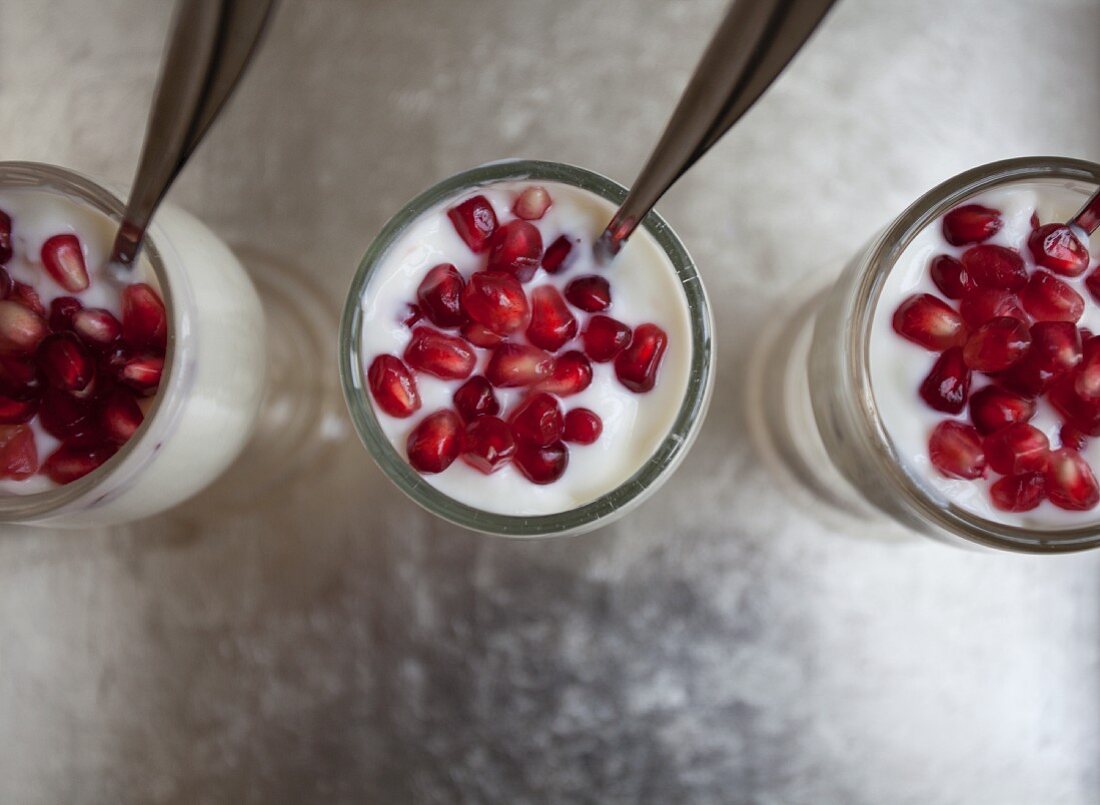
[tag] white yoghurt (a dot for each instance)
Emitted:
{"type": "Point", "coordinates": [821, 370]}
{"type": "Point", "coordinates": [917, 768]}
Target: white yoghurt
{"type": "Point", "coordinates": [644, 288]}
{"type": "Point", "coordinates": [898, 366]}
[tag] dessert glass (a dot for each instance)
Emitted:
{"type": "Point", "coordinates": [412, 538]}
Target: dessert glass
{"type": "Point", "coordinates": [813, 409]}
{"type": "Point", "coordinates": [604, 509]}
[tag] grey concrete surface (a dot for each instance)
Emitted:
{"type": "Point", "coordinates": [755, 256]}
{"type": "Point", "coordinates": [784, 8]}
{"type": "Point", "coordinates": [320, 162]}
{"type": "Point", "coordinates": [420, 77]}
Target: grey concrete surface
{"type": "Point", "coordinates": [335, 644]}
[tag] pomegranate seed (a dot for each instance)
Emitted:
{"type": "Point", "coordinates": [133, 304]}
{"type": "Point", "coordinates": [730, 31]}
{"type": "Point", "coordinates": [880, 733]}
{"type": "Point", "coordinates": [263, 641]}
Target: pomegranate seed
{"type": "Point", "coordinates": [475, 222]}
{"type": "Point", "coordinates": [590, 293]}
{"type": "Point", "coordinates": [480, 336]}
{"type": "Point", "coordinates": [1070, 483]}
{"type": "Point", "coordinates": [956, 450]}
{"type": "Point", "coordinates": [120, 416]}
{"type": "Point", "coordinates": [411, 316]}
{"type": "Point", "coordinates": [1087, 377]}
{"type": "Point", "coordinates": [950, 277]}
{"type": "Point", "coordinates": [995, 267]}
{"type": "Point", "coordinates": [993, 408]}
{"type": "Point", "coordinates": [517, 249]}
{"type": "Point", "coordinates": [518, 365]}
{"type": "Point", "coordinates": [65, 362]}
{"type": "Point", "coordinates": [604, 338]}
{"type": "Point", "coordinates": [393, 386]}
{"type": "Point", "coordinates": [946, 387]}
{"type": "Point", "coordinates": [1016, 449]}
{"type": "Point", "coordinates": [144, 320]}
{"type": "Point", "coordinates": [532, 203]}
{"type": "Point", "coordinates": [435, 443]}
{"type": "Point", "coordinates": [1082, 414]}
{"type": "Point", "coordinates": [929, 322]}
{"type": "Point", "coordinates": [1072, 438]}
{"type": "Point", "coordinates": [18, 452]}
{"type": "Point", "coordinates": [551, 322]}
{"type": "Point", "coordinates": [63, 259]}
{"type": "Point", "coordinates": [440, 296]}
{"type": "Point", "coordinates": [1047, 298]}
{"type": "Point", "coordinates": [21, 329]}
{"type": "Point", "coordinates": [537, 420]}
{"type": "Point", "coordinates": [488, 444]}
{"type": "Point", "coordinates": [582, 426]}
{"type": "Point", "coordinates": [64, 416]}
{"type": "Point", "coordinates": [542, 465]}
{"type": "Point", "coordinates": [5, 237]}
{"type": "Point", "coordinates": [971, 223]}
{"type": "Point", "coordinates": [638, 364]}
{"type": "Point", "coordinates": [70, 462]}
{"type": "Point", "coordinates": [27, 297]}
{"type": "Point", "coordinates": [7, 284]}
{"type": "Point", "coordinates": [19, 375]}
{"type": "Point", "coordinates": [572, 374]}
{"type": "Point", "coordinates": [62, 310]}
{"type": "Point", "coordinates": [496, 301]}
{"type": "Point", "coordinates": [142, 373]}
{"type": "Point", "coordinates": [1092, 282]}
{"type": "Point", "coordinates": [1018, 493]}
{"type": "Point", "coordinates": [1054, 246]}
{"type": "Point", "coordinates": [997, 344]}
{"type": "Point", "coordinates": [1085, 332]}
{"type": "Point", "coordinates": [445, 356]}
{"type": "Point", "coordinates": [97, 326]}
{"type": "Point", "coordinates": [553, 260]}
{"type": "Point", "coordinates": [475, 398]}
{"type": "Point", "coordinates": [1055, 349]}
{"type": "Point", "coordinates": [17, 410]}
{"type": "Point", "coordinates": [983, 304]}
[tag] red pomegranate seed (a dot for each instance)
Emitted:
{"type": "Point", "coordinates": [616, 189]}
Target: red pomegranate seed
{"type": "Point", "coordinates": [532, 203]}
{"type": "Point", "coordinates": [19, 375]}
{"type": "Point", "coordinates": [144, 320]}
{"type": "Point", "coordinates": [7, 284]}
{"type": "Point", "coordinates": [1047, 298]}
{"type": "Point", "coordinates": [517, 249]}
{"type": "Point", "coordinates": [537, 420]}
{"type": "Point", "coordinates": [590, 293]}
{"type": "Point", "coordinates": [65, 362]}
{"type": "Point", "coordinates": [435, 443]}
{"type": "Point", "coordinates": [1016, 449]}
{"type": "Point", "coordinates": [1018, 493]}
{"type": "Point", "coordinates": [411, 315]}
{"type": "Point", "coordinates": [17, 410]}
{"type": "Point", "coordinates": [992, 408]}
{"type": "Point", "coordinates": [21, 329]}
{"type": "Point", "coordinates": [1055, 349]}
{"type": "Point", "coordinates": [542, 465]}
{"type": "Point", "coordinates": [997, 344]}
{"type": "Point", "coordinates": [604, 338]}
{"type": "Point", "coordinates": [1087, 377]}
{"type": "Point", "coordinates": [1054, 246]}
{"type": "Point", "coordinates": [929, 322]}
{"type": "Point", "coordinates": [551, 322]}
{"type": "Point", "coordinates": [572, 374]}
{"type": "Point", "coordinates": [553, 260]}
{"type": "Point", "coordinates": [582, 426]}
{"type": "Point", "coordinates": [62, 310]}
{"type": "Point", "coordinates": [28, 298]}
{"type": "Point", "coordinates": [70, 462]}
{"type": "Point", "coordinates": [480, 336]}
{"type": "Point", "coordinates": [475, 222]}
{"type": "Point", "coordinates": [393, 386]}
{"type": "Point", "coordinates": [946, 387]}
{"type": "Point", "coordinates": [18, 452]}
{"type": "Point", "coordinates": [496, 301]}
{"type": "Point", "coordinates": [1092, 282]}
{"type": "Point", "coordinates": [1086, 334]}
{"type": "Point", "coordinates": [440, 296]}
{"type": "Point", "coordinates": [475, 398]}
{"type": "Point", "coordinates": [64, 416]}
{"type": "Point", "coordinates": [63, 258]}
{"type": "Point", "coordinates": [1082, 414]}
{"type": "Point", "coordinates": [956, 450]}
{"type": "Point", "coordinates": [120, 416]}
{"type": "Point", "coordinates": [488, 444]}
{"type": "Point", "coordinates": [638, 364]}
{"type": "Point", "coordinates": [983, 304]}
{"type": "Point", "coordinates": [971, 223]}
{"type": "Point", "coordinates": [995, 267]}
{"type": "Point", "coordinates": [142, 373]}
{"type": "Point", "coordinates": [518, 365]}
{"type": "Point", "coordinates": [445, 356]}
{"type": "Point", "coordinates": [950, 277]}
{"type": "Point", "coordinates": [1072, 438]}
{"type": "Point", "coordinates": [5, 237]}
{"type": "Point", "coordinates": [97, 326]}
{"type": "Point", "coordinates": [1070, 483]}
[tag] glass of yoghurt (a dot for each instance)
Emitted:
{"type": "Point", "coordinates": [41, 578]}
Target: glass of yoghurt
{"type": "Point", "coordinates": [946, 379]}
{"type": "Point", "coordinates": [501, 376]}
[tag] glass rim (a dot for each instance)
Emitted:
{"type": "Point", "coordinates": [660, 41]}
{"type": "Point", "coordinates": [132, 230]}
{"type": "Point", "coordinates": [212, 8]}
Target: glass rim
{"type": "Point", "coordinates": [632, 491]}
{"type": "Point", "coordinates": [876, 266]}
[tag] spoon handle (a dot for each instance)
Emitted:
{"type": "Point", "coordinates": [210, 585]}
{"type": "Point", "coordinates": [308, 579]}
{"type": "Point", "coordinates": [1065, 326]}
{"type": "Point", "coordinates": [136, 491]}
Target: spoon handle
{"type": "Point", "coordinates": [210, 43]}
{"type": "Point", "coordinates": [1088, 217]}
{"type": "Point", "coordinates": [753, 43]}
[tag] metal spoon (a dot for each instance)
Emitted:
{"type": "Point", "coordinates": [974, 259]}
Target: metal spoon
{"type": "Point", "coordinates": [210, 44]}
{"type": "Point", "coordinates": [751, 47]}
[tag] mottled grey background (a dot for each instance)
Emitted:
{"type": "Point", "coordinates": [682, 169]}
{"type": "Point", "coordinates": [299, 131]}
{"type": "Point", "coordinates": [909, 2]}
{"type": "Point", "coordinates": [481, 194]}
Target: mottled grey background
{"type": "Point", "coordinates": [335, 644]}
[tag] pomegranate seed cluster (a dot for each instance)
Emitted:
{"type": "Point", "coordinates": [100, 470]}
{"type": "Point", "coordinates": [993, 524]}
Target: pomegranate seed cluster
{"type": "Point", "coordinates": [1010, 317]}
{"type": "Point", "coordinates": [524, 335]}
{"type": "Point", "coordinates": [79, 373]}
